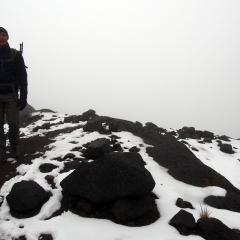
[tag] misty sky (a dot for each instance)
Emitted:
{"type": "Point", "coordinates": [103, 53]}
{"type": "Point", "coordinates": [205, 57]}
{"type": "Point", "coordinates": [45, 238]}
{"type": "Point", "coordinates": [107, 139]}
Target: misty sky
{"type": "Point", "coordinates": [171, 62]}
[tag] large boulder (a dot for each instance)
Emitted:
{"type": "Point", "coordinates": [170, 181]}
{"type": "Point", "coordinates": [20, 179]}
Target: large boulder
{"type": "Point", "coordinates": [98, 148]}
{"type": "Point", "coordinates": [26, 195]}
{"type": "Point", "coordinates": [109, 178]}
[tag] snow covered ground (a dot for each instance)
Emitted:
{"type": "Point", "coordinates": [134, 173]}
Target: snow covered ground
{"type": "Point", "coordinates": [72, 227]}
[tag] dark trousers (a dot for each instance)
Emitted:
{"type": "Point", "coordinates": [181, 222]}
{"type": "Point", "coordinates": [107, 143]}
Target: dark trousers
{"type": "Point", "coordinates": [8, 105]}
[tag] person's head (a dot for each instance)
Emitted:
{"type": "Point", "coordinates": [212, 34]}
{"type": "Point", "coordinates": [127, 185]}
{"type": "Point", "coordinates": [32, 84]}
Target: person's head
{"type": "Point", "coordinates": [3, 37]}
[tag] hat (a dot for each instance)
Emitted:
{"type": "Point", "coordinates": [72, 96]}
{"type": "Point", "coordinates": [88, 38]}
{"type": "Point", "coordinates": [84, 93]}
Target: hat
{"type": "Point", "coordinates": [4, 30]}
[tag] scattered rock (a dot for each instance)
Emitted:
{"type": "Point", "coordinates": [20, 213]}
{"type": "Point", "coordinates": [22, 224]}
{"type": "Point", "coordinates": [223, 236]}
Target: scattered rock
{"type": "Point", "coordinates": [47, 167]}
{"type": "Point", "coordinates": [183, 204]}
{"type": "Point", "coordinates": [230, 202]}
{"type": "Point", "coordinates": [134, 149]}
{"type": "Point", "coordinates": [224, 138]}
{"type": "Point", "coordinates": [45, 126]}
{"type": "Point", "coordinates": [50, 180]}
{"type": "Point", "coordinates": [226, 148]}
{"type": "Point", "coordinates": [207, 140]}
{"type": "Point", "coordinates": [184, 222]}
{"type": "Point", "coordinates": [69, 156]}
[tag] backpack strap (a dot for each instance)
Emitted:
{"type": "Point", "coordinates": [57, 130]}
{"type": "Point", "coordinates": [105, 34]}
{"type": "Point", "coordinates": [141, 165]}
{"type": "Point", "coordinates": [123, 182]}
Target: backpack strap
{"type": "Point", "coordinates": [13, 53]}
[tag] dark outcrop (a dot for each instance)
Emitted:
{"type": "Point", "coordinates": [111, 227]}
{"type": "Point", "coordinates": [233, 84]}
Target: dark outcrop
{"type": "Point", "coordinates": [181, 163]}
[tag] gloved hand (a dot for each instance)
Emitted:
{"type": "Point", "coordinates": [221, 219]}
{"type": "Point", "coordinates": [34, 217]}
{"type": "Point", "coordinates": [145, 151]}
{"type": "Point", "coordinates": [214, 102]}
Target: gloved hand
{"type": "Point", "coordinates": [22, 103]}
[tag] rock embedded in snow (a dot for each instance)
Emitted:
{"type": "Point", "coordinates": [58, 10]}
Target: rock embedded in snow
{"type": "Point", "coordinates": [47, 167]}
{"type": "Point", "coordinates": [184, 222]}
{"type": "Point", "coordinates": [226, 148]}
{"type": "Point", "coordinates": [110, 178]}
{"type": "Point", "coordinates": [26, 195]}
{"type": "Point", "coordinates": [213, 228]}
{"type": "Point", "coordinates": [183, 204]}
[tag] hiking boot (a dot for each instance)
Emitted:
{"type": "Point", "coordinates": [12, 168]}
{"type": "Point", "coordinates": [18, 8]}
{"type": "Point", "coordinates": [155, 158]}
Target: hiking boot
{"type": "Point", "coordinates": [3, 159]}
{"type": "Point", "coordinates": [15, 152]}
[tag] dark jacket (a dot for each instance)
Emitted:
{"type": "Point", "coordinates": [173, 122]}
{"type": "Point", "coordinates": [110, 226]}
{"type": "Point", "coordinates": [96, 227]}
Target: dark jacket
{"type": "Point", "coordinates": [8, 75]}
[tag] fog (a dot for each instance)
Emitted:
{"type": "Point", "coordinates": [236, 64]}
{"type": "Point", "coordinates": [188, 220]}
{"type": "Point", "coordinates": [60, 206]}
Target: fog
{"type": "Point", "coordinates": [171, 62]}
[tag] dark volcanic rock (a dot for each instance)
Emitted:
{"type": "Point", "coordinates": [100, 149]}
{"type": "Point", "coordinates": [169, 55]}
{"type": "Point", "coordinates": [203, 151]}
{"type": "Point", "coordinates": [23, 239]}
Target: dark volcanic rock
{"type": "Point", "coordinates": [189, 130]}
{"type": "Point", "coordinates": [47, 167]}
{"type": "Point", "coordinates": [207, 134]}
{"type": "Point", "coordinates": [224, 138]}
{"type": "Point", "coordinates": [98, 148]}
{"type": "Point", "coordinates": [230, 202]}
{"type": "Point", "coordinates": [113, 126]}
{"type": "Point", "coordinates": [226, 148]}
{"type": "Point", "coordinates": [183, 165]}
{"type": "Point", "coordinates": [207, 140]}
{"type": "Point", "coordinates": [183, 204]}
{"type": "Point", "coordinates": [69, 119]}
{"type": "Point", "coordinates": [184, 222]}
{"type": "Point", "coordinates": [26, 195]}
{"type": "Point", "coordinates": [88, 114]}
{"type": "Point", "coordinates": [94, 124]}
{"type": "Point", "coordinates": [140, 211]}
{"type": "Point", "coordinates": [132, 208]}
{"type": "Point", "coordinates": [109, 178]}
{"type": "Point", "coordinates": [44, 126]}
{"type": "Point", "coordinates": [134, 149]}
{"type": "Point", "coordinates": [69, 156]}
{"type": "Point", "coordinates": [72, 165]}
{"type": "Point", "coordinates": [214, 229]}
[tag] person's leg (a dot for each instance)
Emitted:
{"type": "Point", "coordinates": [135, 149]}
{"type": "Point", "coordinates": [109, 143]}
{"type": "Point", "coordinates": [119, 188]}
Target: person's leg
{"type": "Point", "coordinates": [2, 135]}
{"type": "Point", "coordinates": [12, 113]}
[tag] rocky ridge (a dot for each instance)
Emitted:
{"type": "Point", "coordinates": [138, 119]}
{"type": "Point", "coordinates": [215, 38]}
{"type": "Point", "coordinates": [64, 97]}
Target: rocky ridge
{"type": "Point", "coordinates": [110, 181]}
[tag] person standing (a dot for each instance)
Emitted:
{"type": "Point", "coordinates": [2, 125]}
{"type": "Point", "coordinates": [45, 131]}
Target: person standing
{"type": "Point", "coordinates": [13, 77]}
